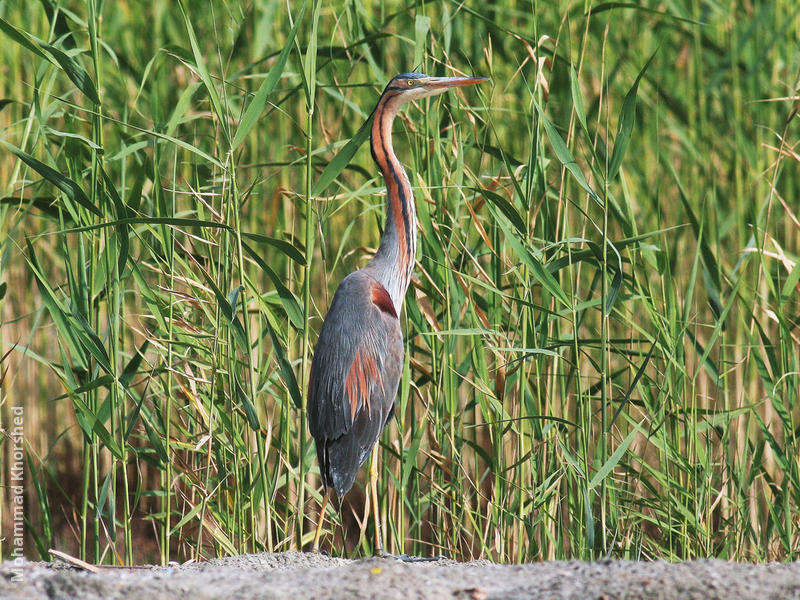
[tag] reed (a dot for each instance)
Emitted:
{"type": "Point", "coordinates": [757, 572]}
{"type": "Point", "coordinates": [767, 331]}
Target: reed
{"type": "Point", "coordinates": [602, 333]}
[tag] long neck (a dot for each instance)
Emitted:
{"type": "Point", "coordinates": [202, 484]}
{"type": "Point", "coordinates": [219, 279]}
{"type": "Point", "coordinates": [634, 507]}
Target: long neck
{"type": "Point", "coordinates": [394, 261]}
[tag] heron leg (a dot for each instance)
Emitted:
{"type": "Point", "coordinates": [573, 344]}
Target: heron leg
{"type": "Point", "coordinates": [379, 551]}
{"type": "Point", "coordinates": [320, 520]}
{"type": "Point", "coordinates": [373, 478]}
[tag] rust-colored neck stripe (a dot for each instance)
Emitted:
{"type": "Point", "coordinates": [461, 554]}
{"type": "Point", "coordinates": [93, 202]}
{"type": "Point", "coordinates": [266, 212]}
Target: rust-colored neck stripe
{"type": "Point", "coordinates": [400, 198]}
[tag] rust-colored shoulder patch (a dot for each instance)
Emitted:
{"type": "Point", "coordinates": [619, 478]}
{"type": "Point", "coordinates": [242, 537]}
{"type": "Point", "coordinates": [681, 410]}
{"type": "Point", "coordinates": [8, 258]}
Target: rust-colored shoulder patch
{"type": "Point", "coordinates": [363, 371]}
{"type": "Point", "coordinates": [382, 299]}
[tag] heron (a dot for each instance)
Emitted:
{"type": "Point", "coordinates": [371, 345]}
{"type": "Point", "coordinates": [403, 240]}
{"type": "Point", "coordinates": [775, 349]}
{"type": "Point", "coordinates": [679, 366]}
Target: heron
{"type": "Point", "coordinates": [358, 357]}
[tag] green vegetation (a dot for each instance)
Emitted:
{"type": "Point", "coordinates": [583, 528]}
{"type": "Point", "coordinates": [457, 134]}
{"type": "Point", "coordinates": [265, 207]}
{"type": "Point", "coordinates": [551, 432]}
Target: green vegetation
{"type": "Point", "coordinates": [602, 334]}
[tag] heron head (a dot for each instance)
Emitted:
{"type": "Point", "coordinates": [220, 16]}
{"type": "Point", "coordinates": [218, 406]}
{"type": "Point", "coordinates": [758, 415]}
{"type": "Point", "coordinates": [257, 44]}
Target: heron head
{"type": "Point", "coordinates": [413, 86]}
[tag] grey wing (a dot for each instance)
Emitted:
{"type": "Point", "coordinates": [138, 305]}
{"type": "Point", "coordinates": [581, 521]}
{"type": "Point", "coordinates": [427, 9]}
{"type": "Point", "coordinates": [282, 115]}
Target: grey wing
{"type": "Point", "coordinates": [354, 377]}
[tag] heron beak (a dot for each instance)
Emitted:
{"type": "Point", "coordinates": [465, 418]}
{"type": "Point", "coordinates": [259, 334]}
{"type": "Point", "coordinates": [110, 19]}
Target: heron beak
{"type": "Point", "coordinates": [448, 82]}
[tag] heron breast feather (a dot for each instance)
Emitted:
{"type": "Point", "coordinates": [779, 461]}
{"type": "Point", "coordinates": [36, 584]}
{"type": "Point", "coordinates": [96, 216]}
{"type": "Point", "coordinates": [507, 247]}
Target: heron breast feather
{"type": "Point", "coordinates": [363, 374]}
{"type": "Point", "coordinates": [382, 299]}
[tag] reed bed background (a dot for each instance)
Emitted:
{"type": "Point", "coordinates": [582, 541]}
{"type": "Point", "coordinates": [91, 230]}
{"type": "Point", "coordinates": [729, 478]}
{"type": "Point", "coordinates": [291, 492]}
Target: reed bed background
{"type": "Point", "coordinates": [602, 333]}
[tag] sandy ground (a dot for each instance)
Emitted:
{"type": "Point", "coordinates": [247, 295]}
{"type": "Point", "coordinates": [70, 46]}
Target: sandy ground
{"type": "Point", "coordinates": [296, 576]}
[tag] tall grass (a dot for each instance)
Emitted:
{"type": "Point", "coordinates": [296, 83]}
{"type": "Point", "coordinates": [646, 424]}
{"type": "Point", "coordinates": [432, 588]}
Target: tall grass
{"type": "Point", "coordinates": [602, 332]}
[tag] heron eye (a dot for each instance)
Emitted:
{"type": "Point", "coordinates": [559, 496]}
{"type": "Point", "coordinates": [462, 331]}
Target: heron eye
{"type": "Point", "coordinates": [411, 83]}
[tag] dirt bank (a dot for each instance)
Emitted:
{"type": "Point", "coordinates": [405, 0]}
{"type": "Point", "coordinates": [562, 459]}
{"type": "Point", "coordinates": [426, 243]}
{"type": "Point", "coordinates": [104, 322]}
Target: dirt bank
{"type": "Point", "coordinates": [294, 576]}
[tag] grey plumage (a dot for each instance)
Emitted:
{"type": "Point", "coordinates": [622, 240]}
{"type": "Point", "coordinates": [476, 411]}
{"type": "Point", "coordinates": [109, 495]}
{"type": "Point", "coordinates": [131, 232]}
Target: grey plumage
{"type": "Point", "coordinates": [354, 323]}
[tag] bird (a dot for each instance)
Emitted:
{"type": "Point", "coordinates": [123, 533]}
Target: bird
{"type": "Point", "coordinates": [358, 358]}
